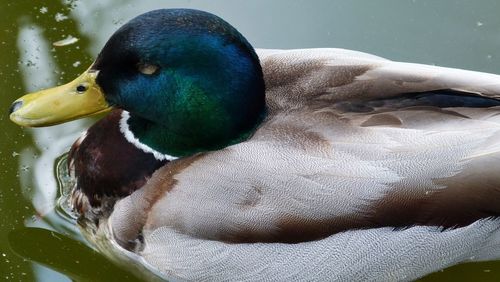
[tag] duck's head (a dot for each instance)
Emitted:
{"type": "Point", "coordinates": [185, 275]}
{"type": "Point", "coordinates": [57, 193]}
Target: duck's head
{"type": "Point", "coordinates": [190, 81]}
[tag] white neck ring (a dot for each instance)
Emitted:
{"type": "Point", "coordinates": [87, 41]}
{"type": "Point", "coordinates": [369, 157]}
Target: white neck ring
{"type": "Point", "coordinates": [129, 135]}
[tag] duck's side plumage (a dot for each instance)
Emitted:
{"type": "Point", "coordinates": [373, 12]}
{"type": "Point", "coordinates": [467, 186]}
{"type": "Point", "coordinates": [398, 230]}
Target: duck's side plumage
{"type": "Point", "coordinates": [358, 155]}
{"type": "Point", "coordinates": [379, 254]}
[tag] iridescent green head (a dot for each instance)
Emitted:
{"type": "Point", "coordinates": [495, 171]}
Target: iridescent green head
{"type": "Point", "coordinates": [190, 81]}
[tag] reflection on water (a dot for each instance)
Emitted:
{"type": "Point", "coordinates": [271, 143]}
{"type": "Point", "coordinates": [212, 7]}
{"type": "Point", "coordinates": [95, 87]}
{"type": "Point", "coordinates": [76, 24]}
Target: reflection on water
{"type": "Point", "coordinates": [65, 184]}
{"type": "Point", "coordinates": [458, 33]}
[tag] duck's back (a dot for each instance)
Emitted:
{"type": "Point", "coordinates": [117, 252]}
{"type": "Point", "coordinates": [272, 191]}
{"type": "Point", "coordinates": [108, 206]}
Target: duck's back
{"type": "Point", "coordinates": [363, 168]}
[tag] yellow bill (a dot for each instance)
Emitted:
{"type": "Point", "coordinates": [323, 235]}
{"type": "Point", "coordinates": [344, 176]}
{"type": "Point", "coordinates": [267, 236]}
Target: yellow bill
{"type": "Point", "coordinates": [79, 98]}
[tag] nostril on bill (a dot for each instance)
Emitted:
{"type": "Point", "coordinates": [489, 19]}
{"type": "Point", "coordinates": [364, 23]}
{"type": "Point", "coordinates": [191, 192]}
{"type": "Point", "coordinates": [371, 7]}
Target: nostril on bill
{"type": "Point", "coordinates": [15, 106]}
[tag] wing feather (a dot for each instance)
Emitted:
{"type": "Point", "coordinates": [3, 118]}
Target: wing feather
{"type": "Point", "coordinates": [304, 76]}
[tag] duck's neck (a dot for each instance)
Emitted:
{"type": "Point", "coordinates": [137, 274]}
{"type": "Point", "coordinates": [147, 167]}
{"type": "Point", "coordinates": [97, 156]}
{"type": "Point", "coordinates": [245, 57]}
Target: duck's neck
{"type": "Point", "coordinates": [167, 142]}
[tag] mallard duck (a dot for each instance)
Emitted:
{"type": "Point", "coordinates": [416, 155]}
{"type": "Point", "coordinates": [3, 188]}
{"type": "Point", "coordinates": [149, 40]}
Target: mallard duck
{"type": "Point", "coordinates": [316, 164]}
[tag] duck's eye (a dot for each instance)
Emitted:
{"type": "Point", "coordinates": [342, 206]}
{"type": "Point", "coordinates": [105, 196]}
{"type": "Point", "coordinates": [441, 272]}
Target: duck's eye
{"type": "Point", "coordinates": [80, 89]}
{"type": "Point", "coordinates": [147, 69]}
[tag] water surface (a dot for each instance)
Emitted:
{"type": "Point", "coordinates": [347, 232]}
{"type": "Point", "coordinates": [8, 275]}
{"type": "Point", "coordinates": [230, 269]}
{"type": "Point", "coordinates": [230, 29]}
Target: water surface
{"type": "Point", "coordinates": [462, 34]}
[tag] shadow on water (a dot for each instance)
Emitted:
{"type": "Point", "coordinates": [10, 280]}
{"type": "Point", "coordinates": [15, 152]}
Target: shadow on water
{"type": "Point", "coordinates": [457, 34]}
{"type": "Point", "coordinates": [67, 256]}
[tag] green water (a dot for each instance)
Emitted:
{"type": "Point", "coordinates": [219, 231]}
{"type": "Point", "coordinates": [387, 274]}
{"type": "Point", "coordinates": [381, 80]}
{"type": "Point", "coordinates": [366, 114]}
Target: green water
{"type": "Point", "coordinates": [463, 34]}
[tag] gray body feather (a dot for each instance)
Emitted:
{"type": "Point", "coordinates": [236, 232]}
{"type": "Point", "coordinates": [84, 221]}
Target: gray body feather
{"type": "Point", "coordinates": [344, 179]}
